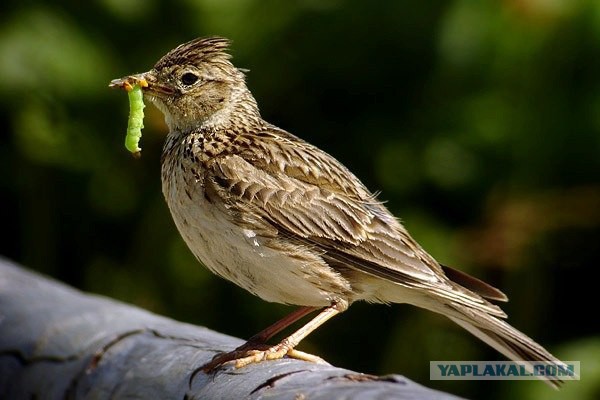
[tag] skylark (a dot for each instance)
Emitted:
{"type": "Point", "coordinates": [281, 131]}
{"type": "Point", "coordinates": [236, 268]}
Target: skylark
{"type": "Point", "coordinates": [288, 222]}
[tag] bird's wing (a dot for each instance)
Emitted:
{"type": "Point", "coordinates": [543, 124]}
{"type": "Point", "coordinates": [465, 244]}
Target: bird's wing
{"type": "Point", "coordinates": [306, 194]}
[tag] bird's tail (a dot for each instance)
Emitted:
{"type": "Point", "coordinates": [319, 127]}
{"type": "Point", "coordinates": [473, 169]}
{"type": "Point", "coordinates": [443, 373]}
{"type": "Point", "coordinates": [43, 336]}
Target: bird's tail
{"type": "Point", "coordinates": [503, 337]}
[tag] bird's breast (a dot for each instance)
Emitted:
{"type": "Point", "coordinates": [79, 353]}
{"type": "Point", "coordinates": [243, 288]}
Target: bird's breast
{"type": "Point", "coordinates": [266, 267]}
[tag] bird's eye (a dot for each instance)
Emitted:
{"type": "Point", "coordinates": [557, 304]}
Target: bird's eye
{"type": "Point", "coordinates": [189, 78]}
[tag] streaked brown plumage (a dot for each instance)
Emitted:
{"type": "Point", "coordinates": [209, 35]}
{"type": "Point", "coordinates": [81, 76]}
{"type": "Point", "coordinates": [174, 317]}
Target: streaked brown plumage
{"type": "Point", "coordinates": [289, 223]}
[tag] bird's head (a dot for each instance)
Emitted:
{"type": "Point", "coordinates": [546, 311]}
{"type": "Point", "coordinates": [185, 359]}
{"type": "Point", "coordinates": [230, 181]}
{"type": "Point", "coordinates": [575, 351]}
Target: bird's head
{"type": "Point", "coordinates": [196, 85]}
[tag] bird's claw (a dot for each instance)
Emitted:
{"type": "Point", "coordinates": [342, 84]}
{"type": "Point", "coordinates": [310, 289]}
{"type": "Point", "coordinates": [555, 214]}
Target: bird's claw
{"type": "Point", "coordinates": [251, 353]}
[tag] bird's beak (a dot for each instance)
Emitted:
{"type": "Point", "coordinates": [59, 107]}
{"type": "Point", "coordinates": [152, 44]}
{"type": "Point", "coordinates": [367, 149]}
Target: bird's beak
{"type": "Point", "coordinates": [147, 81]}
{"type": "Point", "coordinates": [128, 82]}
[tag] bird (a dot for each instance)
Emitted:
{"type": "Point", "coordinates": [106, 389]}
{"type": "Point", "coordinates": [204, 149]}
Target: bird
{"type": "Point", "coordinates": [289, 223]}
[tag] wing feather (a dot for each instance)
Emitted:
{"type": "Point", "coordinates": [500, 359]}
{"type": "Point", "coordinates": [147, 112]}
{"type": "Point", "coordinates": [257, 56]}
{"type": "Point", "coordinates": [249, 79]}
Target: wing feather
{"type": "Point", "coordinates": [299, 193]}
{"type": "Point", "coordinates": [310, 196]}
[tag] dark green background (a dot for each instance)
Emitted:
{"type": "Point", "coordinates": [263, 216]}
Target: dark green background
{"type": "Point", "coordinates": [478, 121]}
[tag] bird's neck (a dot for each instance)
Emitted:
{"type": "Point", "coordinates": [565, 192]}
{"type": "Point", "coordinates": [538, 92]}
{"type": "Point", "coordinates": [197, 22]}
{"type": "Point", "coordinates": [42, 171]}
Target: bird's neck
{"type": "Point", "coordinates": [240, 113]}
{"type": "Point", "coordinates": [214, 134]}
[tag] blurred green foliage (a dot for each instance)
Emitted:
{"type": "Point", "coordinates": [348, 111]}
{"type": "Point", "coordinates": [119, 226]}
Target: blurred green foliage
{"type": "Point", "coordinates": [479, 121]}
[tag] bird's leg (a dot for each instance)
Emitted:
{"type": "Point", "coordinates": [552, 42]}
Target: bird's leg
{"type": "Point", "coordinates": [286, 346]}
{"type": "Point", "coordinates": [268, 333]}
{"type": "Point", "coordinates": [253, 354]}
{"type": "Point", "coordinates": [255, 342]}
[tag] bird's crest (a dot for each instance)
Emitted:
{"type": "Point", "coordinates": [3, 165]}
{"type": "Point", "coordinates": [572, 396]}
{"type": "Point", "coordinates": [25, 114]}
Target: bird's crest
{"type": "Point", "coordinates": [201, 50]}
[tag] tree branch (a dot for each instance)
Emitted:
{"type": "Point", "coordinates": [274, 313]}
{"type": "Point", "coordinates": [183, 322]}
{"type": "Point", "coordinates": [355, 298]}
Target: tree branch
{"type": "Point", "coordinates": [59, 343]}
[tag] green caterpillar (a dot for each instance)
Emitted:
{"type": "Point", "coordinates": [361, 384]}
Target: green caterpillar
{"type": "Point", "coordinates": [135, 123]}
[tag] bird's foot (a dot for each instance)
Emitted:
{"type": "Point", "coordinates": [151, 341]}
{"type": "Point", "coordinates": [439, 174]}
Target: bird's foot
{"type": "Point", "coordinates": [275, 353]}
{"type": "Point", "coordinates": [251, 353]}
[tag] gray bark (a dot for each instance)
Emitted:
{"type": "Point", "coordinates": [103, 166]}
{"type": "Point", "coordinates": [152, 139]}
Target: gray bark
{"type": "Point", "coordinates": [59, 343]}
